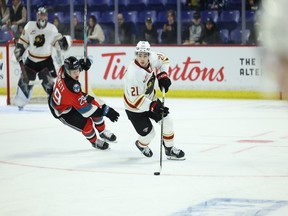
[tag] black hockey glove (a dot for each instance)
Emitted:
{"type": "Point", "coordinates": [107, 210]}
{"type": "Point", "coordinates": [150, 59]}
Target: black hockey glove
{"type": "Point", "coordinates": [157, 108]}
{"type": "Point", "coordinates": [85, 65]}
{"type": "Point", "coordinates": [18, 51]}
{"type": "Point", "coordinates": [110, 113]}
{"type": "Point", "coordinates": [163, 81]}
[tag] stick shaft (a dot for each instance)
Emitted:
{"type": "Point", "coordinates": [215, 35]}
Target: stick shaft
{"type": "Point", "coordinates": [162, 121]}
{"type": "Point", "coordinates": [22, 66]}
{"type": "Point", "coordinates": [85, 42]}
{"type": "Point", "coordinates": [85, 30]}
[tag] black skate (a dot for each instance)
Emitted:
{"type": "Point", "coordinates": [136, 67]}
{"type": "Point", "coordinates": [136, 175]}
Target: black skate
{"type": "Point", "coordinates": [108, 136]}
{"type": "Point", "coordinates": [100, 144]}
{"type": "Point", "coordinates": [145, 150]}
{"type": "Point", "coordinates": [173, 153]}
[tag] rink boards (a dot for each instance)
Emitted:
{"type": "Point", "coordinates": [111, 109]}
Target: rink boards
{"type": "Point", "coordinates": [195, 71]}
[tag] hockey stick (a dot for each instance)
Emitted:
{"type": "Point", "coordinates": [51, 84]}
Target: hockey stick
{"type": "Point", "coordinates": [22, 66]}
{"type": "Point", "coordinates": [85, 42]}
{"type": "Point", "coordinates": [161, 140]}
{"type": "Point", "coordinates": [87, 89]}
{"type": "Point", "coordinates": [85, 29]}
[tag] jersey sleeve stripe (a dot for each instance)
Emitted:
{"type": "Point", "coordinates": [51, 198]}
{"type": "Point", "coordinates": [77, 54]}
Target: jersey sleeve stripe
{"type": "Point", "coordinates": [23, 40]}
{"type": "Point", "coordinates": [87, 111]}
{"type": "Point", "coordinates": [137, 103]}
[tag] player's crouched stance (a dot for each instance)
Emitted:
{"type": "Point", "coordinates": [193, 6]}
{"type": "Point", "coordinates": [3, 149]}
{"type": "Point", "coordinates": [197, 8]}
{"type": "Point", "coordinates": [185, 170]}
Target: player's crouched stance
{"type": "Point", "coordinates": [78, 110]}
{"type": "Point", "coordinates": [141, 103]}
{"type": "Point", "coordinates": [38, 40]}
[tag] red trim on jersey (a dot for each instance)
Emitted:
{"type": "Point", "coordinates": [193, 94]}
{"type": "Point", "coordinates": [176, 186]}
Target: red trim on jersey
{"type": "Point", "coordinates": [138, 101]}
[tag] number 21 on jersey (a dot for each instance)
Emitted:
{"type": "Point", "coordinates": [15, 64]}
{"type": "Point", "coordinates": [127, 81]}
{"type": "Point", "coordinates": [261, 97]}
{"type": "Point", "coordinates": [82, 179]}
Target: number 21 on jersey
{"type": "Point", "coordinates": [134, 91]}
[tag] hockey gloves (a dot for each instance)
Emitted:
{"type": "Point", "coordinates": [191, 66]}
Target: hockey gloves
{"type": "Point", "coordinates": [157, 109]}
{"type": "Point", "coordinates": [163, 81]}
{"type": "Point", "coordinates": [18, 51]}
{"type": "Point", "coordinates": [110, 113]}
{"type": "Point", "coordinates": [85, 65]}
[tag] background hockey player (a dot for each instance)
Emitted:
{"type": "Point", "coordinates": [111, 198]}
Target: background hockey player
{"type": "Point", "coordinates": [38, 38]}
{"type": "Point", "coordinates": [141, 103]}
{"type": "Point", "coordinates": [274, 31]}
{"type": "Point", "coordinates": [78, 110]}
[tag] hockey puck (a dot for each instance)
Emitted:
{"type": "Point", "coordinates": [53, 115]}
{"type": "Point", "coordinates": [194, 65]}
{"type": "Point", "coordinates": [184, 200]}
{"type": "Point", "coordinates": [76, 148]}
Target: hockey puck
{"type": "Point", "coordinates": [156, 173]}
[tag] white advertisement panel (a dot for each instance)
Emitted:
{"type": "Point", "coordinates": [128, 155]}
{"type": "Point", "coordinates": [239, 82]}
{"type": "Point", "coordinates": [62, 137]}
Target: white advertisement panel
{"type": "Point", "coordinates": [2, 66]}
{"type": "Point", "coordinates": [191, 68]}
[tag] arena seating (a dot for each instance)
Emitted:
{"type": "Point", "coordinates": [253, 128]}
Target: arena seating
{"type": "Point", "coordinates": [236, 36]}
{"type": "Point", "coordinates": [5, 36]}
{"type": "Point", "coordinates": [224, 34]}
{"type": "Point", "coordinates": [227, 19]}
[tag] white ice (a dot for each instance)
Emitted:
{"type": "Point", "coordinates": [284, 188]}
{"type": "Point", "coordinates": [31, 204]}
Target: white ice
{"type": "Point", "coordinates": [236, 163]}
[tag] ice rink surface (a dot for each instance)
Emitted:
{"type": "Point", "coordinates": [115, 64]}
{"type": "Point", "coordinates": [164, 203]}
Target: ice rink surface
{"type": "Point", "coordinates": [236, 163]}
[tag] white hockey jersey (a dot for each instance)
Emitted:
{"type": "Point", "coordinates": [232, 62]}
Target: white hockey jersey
{"type": "Point", "coordinates": [139, 83]}
{"type": "Point", "coordinates": [39, 42]}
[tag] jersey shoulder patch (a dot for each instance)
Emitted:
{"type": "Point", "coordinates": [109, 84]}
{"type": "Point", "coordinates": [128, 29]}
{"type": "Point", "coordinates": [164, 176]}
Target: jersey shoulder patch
{"type": "Point", "coordinates": [73, 85]}
{"type": "Point", "coordinates": [76, 88]}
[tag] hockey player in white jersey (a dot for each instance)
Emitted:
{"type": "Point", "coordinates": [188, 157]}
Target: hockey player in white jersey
{"type": "Point", "coordinates": [274, 31]}
{"type": "Point", "coordinates": [37, 39]}
{"type": "Point", "coordinates": [141, 103]}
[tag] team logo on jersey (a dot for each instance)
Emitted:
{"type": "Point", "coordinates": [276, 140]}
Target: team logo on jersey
{"type": "Point", "coordinates": [76, 88]}
{"type": "Point", "coordinates": [39, 40]}
{"type": "Point", "coordinates": [150, 85]}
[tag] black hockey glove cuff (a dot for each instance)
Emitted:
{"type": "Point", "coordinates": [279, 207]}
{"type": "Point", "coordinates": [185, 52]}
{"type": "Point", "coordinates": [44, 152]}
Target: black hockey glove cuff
{"type": "Point", "coordinates": [89, 98]}
{"type": "Point", "coordinates": [110, 113]}
{"type": "Point", "coordinates": [85, 65]}
{"type": "Point", "coordinates": [163, 81]}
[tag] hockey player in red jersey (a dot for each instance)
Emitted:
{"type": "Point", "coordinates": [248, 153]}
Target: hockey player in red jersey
{"type": "Point", "coordinates": [141, 103]}
{"type": "Point", "coordinates": [79, 110]}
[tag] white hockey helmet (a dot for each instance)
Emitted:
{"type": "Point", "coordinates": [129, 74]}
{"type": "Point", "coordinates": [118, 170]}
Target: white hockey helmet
{"type": "Point", "coordinates": [273, 26]}
{"type": "Point", "coordinates": [143, 46]}
{"type": "Point", "coordinates": [42, 17]}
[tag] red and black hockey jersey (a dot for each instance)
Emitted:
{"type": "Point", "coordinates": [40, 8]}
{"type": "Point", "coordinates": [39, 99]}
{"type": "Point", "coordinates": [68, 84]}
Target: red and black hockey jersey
{"type": "Point", "coordinates": [67, 94]}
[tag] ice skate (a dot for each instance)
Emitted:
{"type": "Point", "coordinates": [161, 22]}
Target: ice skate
{"type": "Point", "coordinates": [145, 150]}
{"type": "Point", "coordinates": [108, 136]}
{"type": "Point", "coordinates": [100, 144]}
{"type": "Point", "coordinates": [173, 153]}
